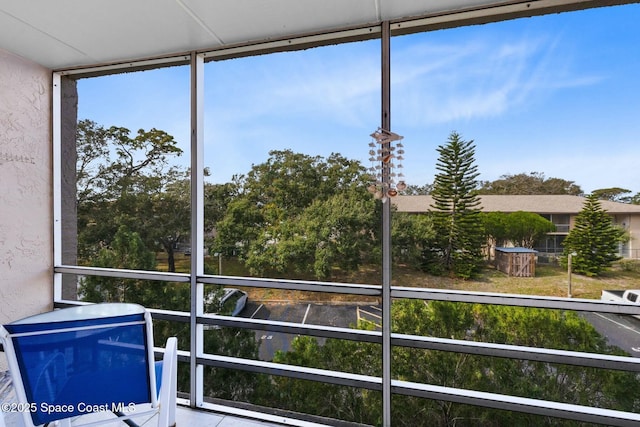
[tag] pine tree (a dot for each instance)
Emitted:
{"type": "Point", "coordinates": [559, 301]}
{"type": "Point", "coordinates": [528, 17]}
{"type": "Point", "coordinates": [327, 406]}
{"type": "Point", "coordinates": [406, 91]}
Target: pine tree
{"type": "Point", "coordinates": [594, 239]}
{"type": "Point", "coordinates": [455, 210]}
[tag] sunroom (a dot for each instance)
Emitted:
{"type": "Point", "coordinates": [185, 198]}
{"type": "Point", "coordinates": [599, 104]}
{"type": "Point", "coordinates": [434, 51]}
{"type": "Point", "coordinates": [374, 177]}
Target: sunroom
{"type": "Point", "coordinates": [203, 101]}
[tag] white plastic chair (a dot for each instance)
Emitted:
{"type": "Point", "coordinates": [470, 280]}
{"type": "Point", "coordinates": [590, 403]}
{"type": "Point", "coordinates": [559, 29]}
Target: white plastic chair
{"type": "Point", "coordinates": [93, 361]}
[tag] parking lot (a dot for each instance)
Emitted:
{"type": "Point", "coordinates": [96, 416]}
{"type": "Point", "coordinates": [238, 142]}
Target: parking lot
{"type": "Point", "coordinates": [339, 315]}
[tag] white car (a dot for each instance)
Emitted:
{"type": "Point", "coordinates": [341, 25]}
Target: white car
{"type": "Point", "coordinates": [231, 303]}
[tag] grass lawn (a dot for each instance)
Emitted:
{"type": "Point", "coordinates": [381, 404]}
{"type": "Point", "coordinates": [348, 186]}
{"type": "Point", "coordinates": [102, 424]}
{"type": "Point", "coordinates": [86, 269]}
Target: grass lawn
{"type": "Point", "coordinates": [548, 281]}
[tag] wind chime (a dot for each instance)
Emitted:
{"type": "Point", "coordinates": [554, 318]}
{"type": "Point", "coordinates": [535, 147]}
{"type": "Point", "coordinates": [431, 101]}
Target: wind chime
{"type": "Point", "coordinates": [384, 159]}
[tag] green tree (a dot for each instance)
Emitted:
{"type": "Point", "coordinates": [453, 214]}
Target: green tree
{"type": "Point", "coordinates": [165, 212]}
{"type": "Point", "coordinates": [110, 161]}
{"type": "Point", "coordinates": [495, 228]}
{"type": "Point", "coordinates": [412, 235]}
{"type": "Point", "coordinates": [614, 194]}
{"type": "Point", "coordinates": [217, 198]}
{"type": "Point", "coordinates": [92, 147]}
{"type": "Point", "coordinates": [300, 214]}
{"type": "Point", "coordinates": [131, 201]}
{"type": "Point", "coordinates": [558, 329]}
{"type": "Point", "coordinates": [521, 326]}
{"type": "Point", "coordinates": [232, 384]}
{"type": "Point", "coordinates": [333, 232]}
{"type": "Point", "coordinates": [417, 190]}
{"type": "Point", "coordinates": [532, 183]}
{"type": "Point", "coordinates": [594, 239]}
{"type": "Point", "coordinates": [455, 210]}
{"type": "Point", "coordinates": [436, 319]}
{"type": "Point", "coordinates": [336, 402]}
{"type": "Point", "coordinates": [126, 251]}
{"type": "Point", "coordinates": [524, 229]}
{"type": "Point", "coordinates": [125, 179]}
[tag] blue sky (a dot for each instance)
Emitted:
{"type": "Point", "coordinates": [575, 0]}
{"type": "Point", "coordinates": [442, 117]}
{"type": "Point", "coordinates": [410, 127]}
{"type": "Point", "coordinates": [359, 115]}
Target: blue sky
{"type": "Point", "coordinates": [557, 94]}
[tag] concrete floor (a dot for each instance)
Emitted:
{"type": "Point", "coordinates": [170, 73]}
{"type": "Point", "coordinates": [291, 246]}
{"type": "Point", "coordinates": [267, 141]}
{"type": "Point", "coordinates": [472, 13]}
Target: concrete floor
{"type": "Point", "coordinates": [186, 417]}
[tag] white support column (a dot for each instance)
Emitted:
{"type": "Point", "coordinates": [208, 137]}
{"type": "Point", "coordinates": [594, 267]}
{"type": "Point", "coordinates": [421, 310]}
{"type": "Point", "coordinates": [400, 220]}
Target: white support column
{"type": "Point", "coordinates": [197, 225]}
{"type": "Point", "coordinates": [56, 155]}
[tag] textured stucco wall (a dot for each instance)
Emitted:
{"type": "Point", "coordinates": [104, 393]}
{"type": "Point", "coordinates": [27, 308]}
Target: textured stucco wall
{"type": "Point", "coordinates": [25, 188]}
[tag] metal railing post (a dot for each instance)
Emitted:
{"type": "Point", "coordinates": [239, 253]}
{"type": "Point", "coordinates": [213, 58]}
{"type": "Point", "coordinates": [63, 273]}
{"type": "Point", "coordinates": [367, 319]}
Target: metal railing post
{"type": "Point", "coordinates": [386, 232]}
{"type": "Point", "coordinates": [197, 227]}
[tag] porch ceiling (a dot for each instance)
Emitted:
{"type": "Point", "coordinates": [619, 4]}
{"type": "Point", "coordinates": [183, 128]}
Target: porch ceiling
{"type": "Point", "coordinates": [72, 33]}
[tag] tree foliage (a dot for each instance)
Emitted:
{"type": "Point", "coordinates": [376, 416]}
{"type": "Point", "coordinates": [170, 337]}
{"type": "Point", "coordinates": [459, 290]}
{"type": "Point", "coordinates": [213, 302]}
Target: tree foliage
{"type": "Point", "coordinates": [635, 200]}
{"type": "Point", "coordinates": [336, 402]}
{"type": "Point", "coordinates": [614, 194]}
{"type": "Point", "coordinates": [455, 210]}
{"type": "Point", "coordinates": [231, 384]}
{"type": "Point", "coordinates": [594, 239]}
{"type": "Point", "coordinates": [413, 236]}
{"type": "Point", "coordinates": [495, 228]}
{"type": "Point", "coordinates": [473, 322]}
{"type": "Point", "coordinates": [110, 160]}
{"type": "Point", "coordinates": [126, 251]}
{"type": "Point", "coordinates": [301, 214]}
{"type": "Point", "coordinates": [305, 215]}
{"type": "Point", "coordinates": [532, 183]}
{"type": "Point", "coordinates": [525, 228]}
{"type": "Point", "coordinates": [521, 229]}
{"type": "Point", "coordinates": [417, 190]}
{"type": "Point", "coordinates": [125, 179]}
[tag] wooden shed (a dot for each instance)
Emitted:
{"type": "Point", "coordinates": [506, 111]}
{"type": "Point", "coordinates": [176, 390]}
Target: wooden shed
{"type": "Point", "coordinates": [518, 262]}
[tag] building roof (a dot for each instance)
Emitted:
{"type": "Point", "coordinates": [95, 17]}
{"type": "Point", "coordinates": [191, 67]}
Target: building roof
{"type": "Point", "coordinates": [66, 34]}
{"type": "Point", "coordinates": [542, 204]}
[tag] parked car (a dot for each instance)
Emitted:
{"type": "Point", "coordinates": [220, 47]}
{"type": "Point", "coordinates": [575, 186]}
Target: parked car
{"type": "Point", "coordinates": [231, 303]}
{"type": "Point", "coordinates": [631, 296]}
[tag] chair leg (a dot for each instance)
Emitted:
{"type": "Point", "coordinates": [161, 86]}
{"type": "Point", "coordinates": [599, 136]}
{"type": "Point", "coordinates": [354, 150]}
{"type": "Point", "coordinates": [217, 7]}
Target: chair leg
{"type": "Point", "coordinates": [168, 388]}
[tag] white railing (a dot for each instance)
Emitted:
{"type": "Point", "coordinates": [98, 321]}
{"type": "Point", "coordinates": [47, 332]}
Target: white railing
{"type": "Point", "coordinates": [429, 391]}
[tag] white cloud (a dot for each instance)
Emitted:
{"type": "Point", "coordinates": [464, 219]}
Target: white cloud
{"type": "Point", "coordinates": [484, 77]}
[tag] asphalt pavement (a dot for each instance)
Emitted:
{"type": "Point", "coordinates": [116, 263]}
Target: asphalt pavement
{"type": "Point", "coordinates": [338, 315]}
{"type": "Point", "coordinates": [621, 331]}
